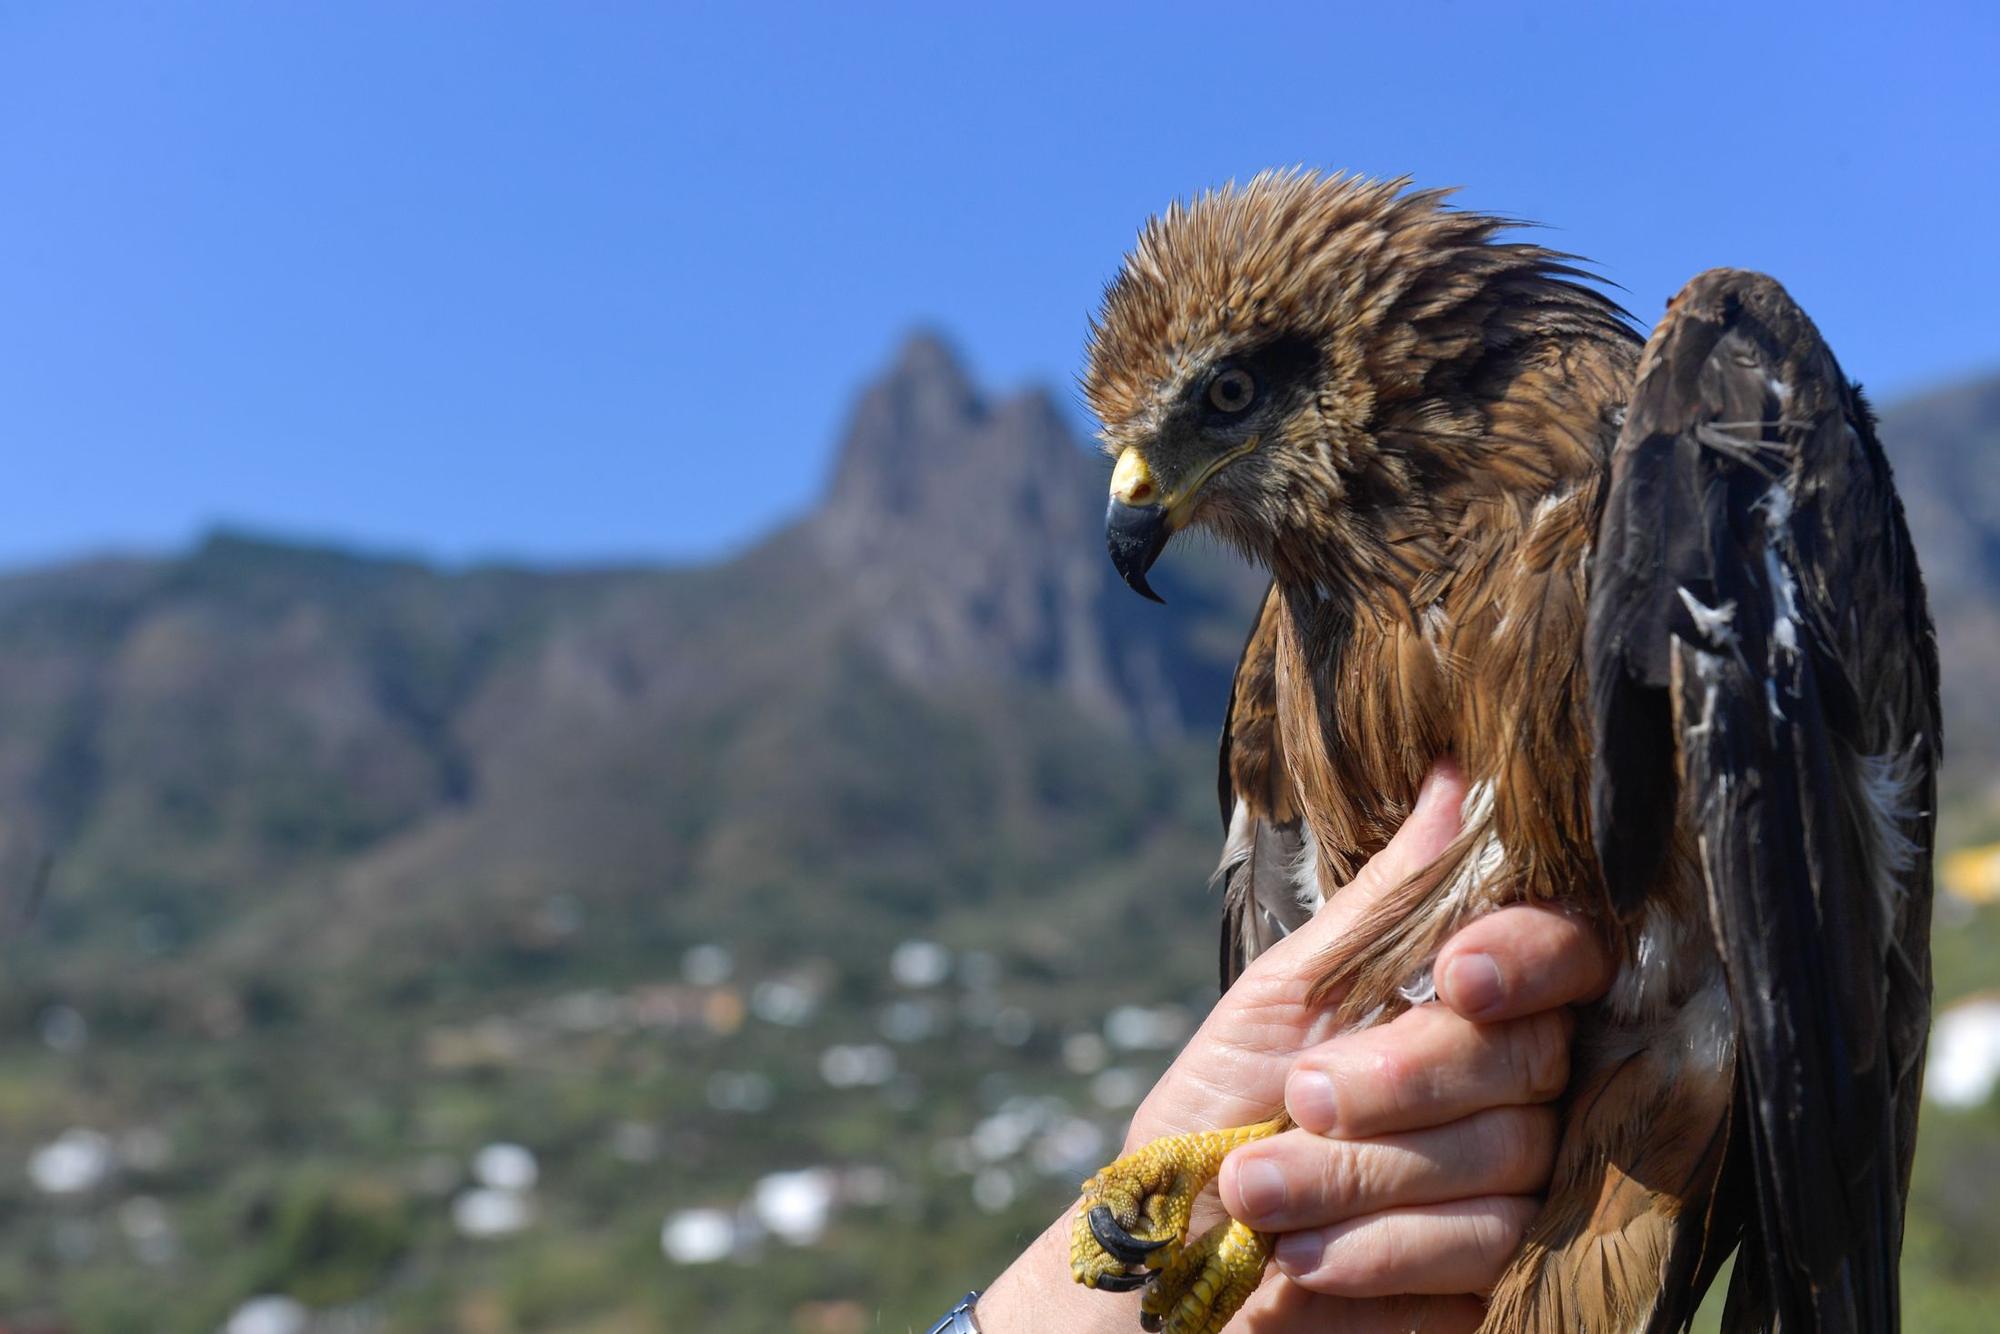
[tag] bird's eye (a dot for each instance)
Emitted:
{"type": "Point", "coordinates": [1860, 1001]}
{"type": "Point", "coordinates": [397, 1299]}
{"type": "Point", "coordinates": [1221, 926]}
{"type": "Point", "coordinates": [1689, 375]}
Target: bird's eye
{"type": "Point", "coordinates": [1232, 391]}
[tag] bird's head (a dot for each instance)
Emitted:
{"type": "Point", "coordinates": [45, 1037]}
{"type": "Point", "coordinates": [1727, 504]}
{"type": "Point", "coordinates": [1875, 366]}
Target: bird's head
{"type": "Point", "coordinates": [1263, 364]}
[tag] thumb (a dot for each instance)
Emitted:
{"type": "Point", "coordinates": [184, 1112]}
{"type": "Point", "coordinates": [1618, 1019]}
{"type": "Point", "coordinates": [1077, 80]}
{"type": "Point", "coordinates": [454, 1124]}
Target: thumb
{"type": "Point", "coordinates": [1433, 824]}
{"type": "Point", "coordinates": [1234, 1069]}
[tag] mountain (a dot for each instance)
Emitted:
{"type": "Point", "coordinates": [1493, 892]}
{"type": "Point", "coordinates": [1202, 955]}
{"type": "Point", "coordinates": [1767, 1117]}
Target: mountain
{"type": "Point", "coordinates": [1944, 445]}
{"type": "Point", "coordinates": [259, 751]}
{"type": "Point", "coordinates": [334, 857]}
{"type": "Point", "coordinates": [967, 538]}
{"type": "Point", "coordinates": [221, 744]}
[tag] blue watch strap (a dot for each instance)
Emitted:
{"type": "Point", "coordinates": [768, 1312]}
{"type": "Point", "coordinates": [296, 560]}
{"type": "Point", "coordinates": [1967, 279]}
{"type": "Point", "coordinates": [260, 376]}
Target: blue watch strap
{"type": "Point", "coordinates": [959, 1319]}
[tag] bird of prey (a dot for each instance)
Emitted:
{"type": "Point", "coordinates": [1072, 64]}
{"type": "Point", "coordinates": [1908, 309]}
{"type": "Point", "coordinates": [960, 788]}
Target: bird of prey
{"type": "Point", "coordinates": [1659, 604]}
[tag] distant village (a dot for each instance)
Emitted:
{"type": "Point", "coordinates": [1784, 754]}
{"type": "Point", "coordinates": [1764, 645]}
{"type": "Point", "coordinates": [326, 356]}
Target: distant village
{"type": "Point", "coordinates": [937, 996]}
{"type": "Point", "coordinates": [934, 996]}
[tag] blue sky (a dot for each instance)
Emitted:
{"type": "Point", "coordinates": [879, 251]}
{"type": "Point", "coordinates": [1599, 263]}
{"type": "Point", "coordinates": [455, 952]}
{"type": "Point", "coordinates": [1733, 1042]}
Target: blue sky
{"type": "Point", "coordinates": [584, 281]}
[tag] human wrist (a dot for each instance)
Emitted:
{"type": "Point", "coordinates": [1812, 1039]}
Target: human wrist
{"type": "Point", "coordinates": [1178, 1106]}
{"type": "Point", "coordinates": [1037, 1293]}
{"type": "Point", "coordinates": [960, 1319]}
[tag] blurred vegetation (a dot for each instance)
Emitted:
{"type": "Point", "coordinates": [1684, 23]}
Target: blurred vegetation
{"type": "Point", "coordinates": [314, 1147]}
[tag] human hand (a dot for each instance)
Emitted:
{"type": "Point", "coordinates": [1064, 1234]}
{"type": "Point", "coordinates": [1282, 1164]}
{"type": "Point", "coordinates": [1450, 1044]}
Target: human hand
{"type": "Point", "coordinates": [1420, 1145]}
{"type": "Point", "coordinates": [1423, 1145]}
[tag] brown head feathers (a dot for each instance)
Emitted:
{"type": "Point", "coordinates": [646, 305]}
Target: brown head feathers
{"type": "Point", "coordinates": [1369, 270]}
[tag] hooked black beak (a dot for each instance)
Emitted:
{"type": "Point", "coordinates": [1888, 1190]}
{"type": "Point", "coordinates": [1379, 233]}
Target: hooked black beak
{"type": "Point", "coordinates": [1136, 535]}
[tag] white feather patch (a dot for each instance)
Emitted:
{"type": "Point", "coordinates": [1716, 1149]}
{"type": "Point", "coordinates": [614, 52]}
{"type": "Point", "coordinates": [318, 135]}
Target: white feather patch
{"type": "Point", "coordinates": [1236, 845]}
{"type": "Point", "coordinates": [1777, 507]}
{"type": "Point", "coordinates": [1305, 875]}
{"type": "Point", "coordinates": [1645, 985]}
{"type": "Point", "coordinates": [1548, 505]}
{"type": "Point", "coordinates": [1784, 602]}
{"type": "Point", "coordinates": [1707, 1026]}
{"type": "Point", "coordinates": [1707, 670]}
{"type": "Point", "coordinates": [1716, 624]}
{"type": "Point", "coordinates": [1486, 856]}
{"type": "Point", "coordinates": [1889, 800]}
{"type": "Point", "coordinates": [1421, 989]}
{"type": "Point", "coordinates": [1433, 623]}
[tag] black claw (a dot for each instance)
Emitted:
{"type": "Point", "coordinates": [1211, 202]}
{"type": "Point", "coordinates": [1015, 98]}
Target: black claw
{"type": "Point", "coordinates": [1117, 1241]}
{"type": "Point", "coordinates": [1122, 1282]}
{"type": "Point", "coordinates": [1151, 1323]}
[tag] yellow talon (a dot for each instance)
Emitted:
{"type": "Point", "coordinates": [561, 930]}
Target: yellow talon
{"type": "Point", "coordinates": [1133, 1219]}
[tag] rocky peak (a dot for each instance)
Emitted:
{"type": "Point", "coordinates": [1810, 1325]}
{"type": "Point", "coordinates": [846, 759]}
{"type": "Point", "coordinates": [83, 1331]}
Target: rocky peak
{"type": "Point", "coordinates": [968, 533]}
{"type": "Point", "coordinates": [923, 398]}
{"type": "Point", "coordinates": [928, 458]}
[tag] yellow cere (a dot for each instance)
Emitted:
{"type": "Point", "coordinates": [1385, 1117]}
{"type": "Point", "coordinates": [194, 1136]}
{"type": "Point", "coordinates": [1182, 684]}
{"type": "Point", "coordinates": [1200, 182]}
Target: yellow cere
{"type": "Point", "coordinates": [1132, 480]}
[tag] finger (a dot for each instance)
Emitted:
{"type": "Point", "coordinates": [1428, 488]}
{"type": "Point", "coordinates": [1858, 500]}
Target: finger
{"type": "Point", "coordinates": [1460, 1247]}
{"type": "Point", "coordinates": [1432, 825]}
{"type": "Point", "coordinates": [1428, 1067]}
{"type": "Point", "coordinates": [1233, 1071]}
{"type": "Point", "coordinates": [1520, 960]}
{"type": "Point", "coordinates": [1302, 1180]}
{"type": "Point", "coordinates": [1283, 1307]}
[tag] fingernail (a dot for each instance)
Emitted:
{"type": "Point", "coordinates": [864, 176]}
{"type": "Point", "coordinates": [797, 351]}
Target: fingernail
{"type": "Point", "coordinates": [1260, 1189]}
{"type": "Point", "coordinates": [1310, 1099]}
{"type": "Point", "coordinates": [1429, 792]}
{"type": "Point", "coordinates": [1472, 985]}
{"type": "Point", "coordinates": [1299, 1253]}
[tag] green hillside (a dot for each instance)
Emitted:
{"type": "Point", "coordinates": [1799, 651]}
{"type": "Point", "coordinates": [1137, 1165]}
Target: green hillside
{"type": "Point", "coordinates": [848, 857]}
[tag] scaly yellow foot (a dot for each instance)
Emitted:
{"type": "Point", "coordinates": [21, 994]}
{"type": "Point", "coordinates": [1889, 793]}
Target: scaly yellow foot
{"type": "Point", "coordinates": [1207, 1282]}
{"type": "Point", "coordinates": [1133, 1216]}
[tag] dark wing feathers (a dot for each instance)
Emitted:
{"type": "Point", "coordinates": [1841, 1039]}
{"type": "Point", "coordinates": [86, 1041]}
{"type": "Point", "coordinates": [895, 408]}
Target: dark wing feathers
{"type": "Point", "coordinates": [1762, 664]}
{"type": "Point", "coordinates": [1266, 840]}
